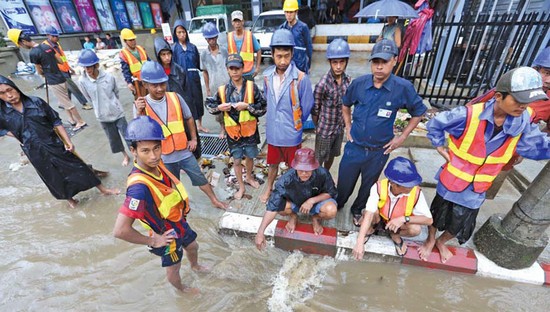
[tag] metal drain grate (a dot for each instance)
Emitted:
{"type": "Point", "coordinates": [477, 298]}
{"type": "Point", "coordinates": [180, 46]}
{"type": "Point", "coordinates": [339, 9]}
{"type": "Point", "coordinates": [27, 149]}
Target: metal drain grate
{"type": "Point", "coordinates": [212, 145]}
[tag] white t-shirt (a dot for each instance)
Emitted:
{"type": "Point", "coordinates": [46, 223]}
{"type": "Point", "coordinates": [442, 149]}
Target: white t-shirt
{"type": "Point", "coordinates": [420, 209]}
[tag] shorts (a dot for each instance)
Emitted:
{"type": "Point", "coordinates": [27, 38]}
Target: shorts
{"type": "Point", "coordinates": [62, 94]}
{"type": "Point", "coordinates": [250, 151]}
{"type": "Point", "coordinates": [279, 154]}
{"type": "Point", "coordinates": [114, 131]}
{"type": "Point", "coordinates": [191, 167]}
{"type": "Point", "coordinates": [458, 220]}
{"type": "Point", "coordinates": [176, 246]}
{"type": "Point", "coordinates": [315, 209]}
{"type": "Point", "coordinates": [326, 148]}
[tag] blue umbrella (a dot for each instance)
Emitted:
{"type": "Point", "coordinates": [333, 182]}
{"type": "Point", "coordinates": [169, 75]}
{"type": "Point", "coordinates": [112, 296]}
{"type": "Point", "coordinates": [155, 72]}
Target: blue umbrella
{"type": "Point", "coordinates": [387, 8]}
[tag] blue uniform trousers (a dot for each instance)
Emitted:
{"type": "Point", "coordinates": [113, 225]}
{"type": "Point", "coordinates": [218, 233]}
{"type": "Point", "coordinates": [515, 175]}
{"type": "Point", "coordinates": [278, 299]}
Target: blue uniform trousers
{"type": "Point", "coordinates": [368, 162]}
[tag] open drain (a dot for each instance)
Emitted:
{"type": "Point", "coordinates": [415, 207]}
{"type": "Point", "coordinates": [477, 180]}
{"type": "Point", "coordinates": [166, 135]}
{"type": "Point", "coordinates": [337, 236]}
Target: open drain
{"type": "Point", "coordinates": [212, 145]}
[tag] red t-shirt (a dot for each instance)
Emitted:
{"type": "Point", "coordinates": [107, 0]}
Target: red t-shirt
{"type": "Point", "coordinates": [167, 70]}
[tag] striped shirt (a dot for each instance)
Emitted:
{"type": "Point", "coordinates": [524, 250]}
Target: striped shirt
{"type": "Point", "coordinates": [328, 104]}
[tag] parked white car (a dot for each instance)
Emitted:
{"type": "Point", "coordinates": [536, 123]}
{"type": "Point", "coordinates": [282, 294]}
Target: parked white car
{"type": "Point", "coordinates": [264, 26]}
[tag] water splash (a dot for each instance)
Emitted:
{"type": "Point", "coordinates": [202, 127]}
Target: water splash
{"type": "Point", "coordinates": [298, 280]}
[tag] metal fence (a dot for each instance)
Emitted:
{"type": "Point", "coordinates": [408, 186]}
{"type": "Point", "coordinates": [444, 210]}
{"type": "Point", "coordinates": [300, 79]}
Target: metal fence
{"type": "Point", "coordinates": [469, 55]}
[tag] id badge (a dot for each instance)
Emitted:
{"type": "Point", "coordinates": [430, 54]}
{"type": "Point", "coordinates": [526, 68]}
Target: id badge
{"type": "Point", "coordinates": [386, 113]}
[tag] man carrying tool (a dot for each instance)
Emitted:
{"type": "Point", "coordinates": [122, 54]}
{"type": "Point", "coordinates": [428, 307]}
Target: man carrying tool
{"type": "Point", "coordinates": [64, 67]}
{"type": "Point", "coordinates": [171, 112]}
{"type": "Point", "coordinates": [132, 56]}
{"type": "Point", "coordinates": [43, 57]}
{"type": "Point", "coordinates": [46, 144]}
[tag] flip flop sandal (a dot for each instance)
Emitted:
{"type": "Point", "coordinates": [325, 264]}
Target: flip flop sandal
{"type": "Point", "coordinates": [356, 220]}
{"type": "Point", "coordinates": [367, 237]}
{"type": "Point", "coordinates": [399, 247]}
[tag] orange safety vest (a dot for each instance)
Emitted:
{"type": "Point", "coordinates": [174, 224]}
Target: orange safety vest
{"type": "Point", "coordinates": [173, 129]}
{"type": "Point", "coordinates": [64, 67]}
{"type": "Point", "coordinates": [133, 62]}
{"type": "Point", "coordinates": [403, 207]}
{"type": "Point", "coordinates": [247, 123]}
{"type": "Point", "coordinates": [469, 160]}
{"type": "Point", "coordinates": [247, 49]}
{"type": "Point", "coordinates": [294, 100]}
{"type": "Point", "coordinates": [171, 201]}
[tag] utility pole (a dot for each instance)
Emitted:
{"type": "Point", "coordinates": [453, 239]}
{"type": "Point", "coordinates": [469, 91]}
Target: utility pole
{"type": "Point", "coordinates": [517, 240]}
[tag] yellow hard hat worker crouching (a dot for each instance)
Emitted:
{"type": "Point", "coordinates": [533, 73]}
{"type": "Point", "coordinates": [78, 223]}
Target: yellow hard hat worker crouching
{"type": "Point", "coordinates": [290, 6]}
{"type": "Point", "coordinates": [127, 34]}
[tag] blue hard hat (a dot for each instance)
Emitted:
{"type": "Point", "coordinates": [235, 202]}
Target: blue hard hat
{"type": "Point", "coordinates": [87, 58]}
{"type": "Point", "coordinates": [338, 48]}
{"type": "Point", "coordinates": [282, 38]}
{"type": "Point", "coordinates": [144, 128]}
{"type": "Point", "coordinates": [52, 31]}
{"type": "Point", "coordinates": [209, 31]}
{"type": "Point", "coordinates": [153, 72]}
{"type": "Point", "coordinates": [402, 171]}
{"type": "Point", "coordinates": [543, 59]}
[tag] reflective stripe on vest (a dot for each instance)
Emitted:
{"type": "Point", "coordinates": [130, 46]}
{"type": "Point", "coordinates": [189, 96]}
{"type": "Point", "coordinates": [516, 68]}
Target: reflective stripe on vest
{"type": "Point", "coordinates": [403, 207]}
{"type": "Point", "coordinates": [246, 51]}
{"type": "Point", "coordinates": [469, 160]}
{"type": "Point", "coordinates": [171, 201]}
{"type": "Point", "coordinates": [247, 123]}
{"type": "Point", "coordinates": [294, 100]}
{"type": "Point", "coordinates": [64, 67]}
{"type": "Point", "coordinates": [173, 129]}
{"type": "Point", "coordinates": [133, 62]}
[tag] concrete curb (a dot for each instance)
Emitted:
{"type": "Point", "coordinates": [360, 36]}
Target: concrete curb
{"type": "Point", "coordinates": [466, 260]}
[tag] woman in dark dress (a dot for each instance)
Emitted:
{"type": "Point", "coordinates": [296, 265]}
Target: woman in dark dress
{"type": "Point", "coordinates": [187, 56]}
{"type": "Point", "coordinates": [39, 129]}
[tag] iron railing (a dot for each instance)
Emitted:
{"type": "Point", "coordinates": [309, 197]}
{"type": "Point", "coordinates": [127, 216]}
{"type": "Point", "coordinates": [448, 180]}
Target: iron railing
{"type": "Point", "coordinates": [469, 55]}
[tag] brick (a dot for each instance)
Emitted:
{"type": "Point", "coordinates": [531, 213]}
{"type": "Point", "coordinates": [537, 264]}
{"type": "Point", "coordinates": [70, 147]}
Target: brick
{"type": "Point", "coordinates": [464, 259]}
{"type": "Point", "coordinates": [305, 240]}
{"type": "Point", "coordinates": [546, 268]}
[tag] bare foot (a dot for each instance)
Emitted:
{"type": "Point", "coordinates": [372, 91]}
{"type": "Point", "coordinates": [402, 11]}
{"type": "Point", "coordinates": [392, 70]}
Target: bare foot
{"type": "Point", "coordinates": [444, 252]}
{"type": "Point", "coordinates": [72, 203]}
{"type": "Point", "coordinates": [191, 290]}
{"type": "Point", "coordinates": [239, 193]}
{"type": "Point", "coordinates": [291, 224]}
{"type": "Point", "coordinates": [203, 129]}
{"type": "Point", "coordinates": [107, 191]}
{"type": "Point", "coordinates": [125, 161]}
{"type": "Point", "coordinates": [201, 269]}
{"type": "Point", "coordinates": [218, 204]}
{"type": "Point", "coordinates": [265, 196]}
{"type": "Point", "coordinates": [425, 250]}
{"type": "Point", "coordinates": [252, 182]}
{"type": "Point", "coordinates": [317, 226]}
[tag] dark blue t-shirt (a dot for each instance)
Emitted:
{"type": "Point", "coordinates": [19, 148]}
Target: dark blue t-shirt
{"type": "Point", "coordinates": [44, 55]}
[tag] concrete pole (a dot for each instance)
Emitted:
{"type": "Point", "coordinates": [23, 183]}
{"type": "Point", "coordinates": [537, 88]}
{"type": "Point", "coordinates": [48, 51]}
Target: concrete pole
{"type": "Point", "coordinates": [517, 240]}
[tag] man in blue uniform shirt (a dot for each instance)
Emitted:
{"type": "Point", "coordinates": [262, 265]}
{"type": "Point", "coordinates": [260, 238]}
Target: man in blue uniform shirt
{"type": "Point", "coordinates": [376, 99]}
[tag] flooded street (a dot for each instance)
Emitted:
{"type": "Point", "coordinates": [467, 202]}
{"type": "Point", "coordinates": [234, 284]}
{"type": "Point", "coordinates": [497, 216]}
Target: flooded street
{"type": "Point", "coordinates": [60, 259]}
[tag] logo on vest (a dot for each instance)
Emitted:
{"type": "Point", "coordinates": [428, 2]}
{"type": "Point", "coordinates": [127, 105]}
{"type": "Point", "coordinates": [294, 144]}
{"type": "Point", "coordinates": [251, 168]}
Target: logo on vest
{"type": "Point", "coordinates": [134, 203]}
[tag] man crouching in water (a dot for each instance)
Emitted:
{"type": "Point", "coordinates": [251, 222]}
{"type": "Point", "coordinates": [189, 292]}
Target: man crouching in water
{"type": "Point", "coordinates": [306, 188]}
{"type": "Point", "coordinates": [159, 208]}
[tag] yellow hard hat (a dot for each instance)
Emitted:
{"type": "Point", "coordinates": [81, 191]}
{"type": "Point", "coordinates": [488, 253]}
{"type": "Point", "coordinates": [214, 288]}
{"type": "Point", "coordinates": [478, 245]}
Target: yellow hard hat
{"type": "Point", "coordinates": [14, 35]}
{"type": "Point", "coordinates": [127, 34]}
{"type": "Point", "coordinates": [153, 31]}
{"type": "Point", "coordinates": [290, 5]}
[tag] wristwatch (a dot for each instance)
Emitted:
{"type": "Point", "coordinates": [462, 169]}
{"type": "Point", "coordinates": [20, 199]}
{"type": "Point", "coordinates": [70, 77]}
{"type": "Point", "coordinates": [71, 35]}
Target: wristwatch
{"type": "Point", "coordinates": [407, 219]}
